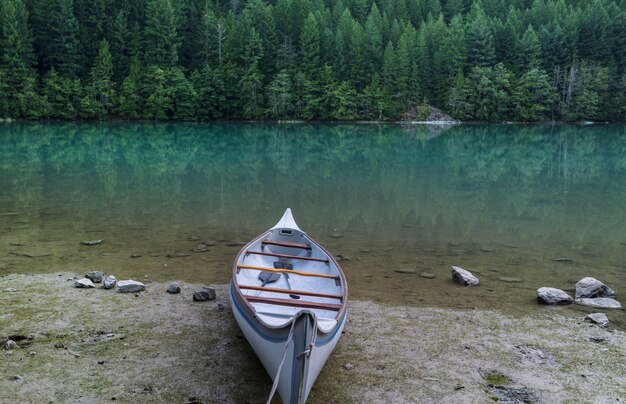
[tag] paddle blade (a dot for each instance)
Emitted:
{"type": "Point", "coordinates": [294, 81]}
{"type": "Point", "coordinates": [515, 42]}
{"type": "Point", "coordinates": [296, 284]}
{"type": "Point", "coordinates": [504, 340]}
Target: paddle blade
{"type": "Point", "coordinates": [268, 277]}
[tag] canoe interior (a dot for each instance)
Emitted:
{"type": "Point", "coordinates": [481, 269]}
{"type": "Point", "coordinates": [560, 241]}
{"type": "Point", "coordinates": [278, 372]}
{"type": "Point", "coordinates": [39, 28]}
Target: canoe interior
{"type": "Point", "coordinates": [310, 270]}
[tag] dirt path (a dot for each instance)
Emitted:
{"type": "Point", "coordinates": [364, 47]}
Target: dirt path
{"type": "Point", "coordinates": [95, 345]}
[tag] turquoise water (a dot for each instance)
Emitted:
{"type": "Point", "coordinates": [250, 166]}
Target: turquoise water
{"type": "Point", "coordinates": [542, 204]}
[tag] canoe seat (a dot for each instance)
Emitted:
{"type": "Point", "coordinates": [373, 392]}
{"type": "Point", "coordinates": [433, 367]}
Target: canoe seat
{"type": "Point", "coordinates": [291, 291]}
{"type": "Point", "coordinates": [287, 244]}
{"type": "Point", "coordinates": [287, 256]}
{"type": "Point", "coordinates": [287, 271]}
{"type": "Point", "coordinates": [293, 303]}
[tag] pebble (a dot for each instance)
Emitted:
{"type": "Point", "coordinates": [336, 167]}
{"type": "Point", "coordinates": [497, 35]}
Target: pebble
{"type": "Point", "coordinates": [135, 256]}
{"type": "Point", "coordinates": [200, 248]}
{"type": "Point", "coordinates": [84, 283]}
{"type": "Point", "coordinates": [597, 318]}
{"type": "Point", "coordinates": [173, 288]}
{"type": "Point", "coordinates": [9, 344]}
{"type": "Point", "coordinates": [427, 275]}
{"type": "Point", "coordinates": [203, 294]}
{"type": "Point", "coordinates": [110, 282]}
{"type": "Point", "coordinates": [10, 290]}
{"type": "Point", "coordinates": [348, 366]}
{"type": "Point", "coordinates": [130, 286]}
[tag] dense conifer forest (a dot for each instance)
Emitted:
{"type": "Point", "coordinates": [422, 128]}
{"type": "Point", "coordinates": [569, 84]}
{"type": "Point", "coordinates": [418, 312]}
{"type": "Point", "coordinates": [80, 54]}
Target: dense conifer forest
{"type": "Point", "coordinates": [488, 60]}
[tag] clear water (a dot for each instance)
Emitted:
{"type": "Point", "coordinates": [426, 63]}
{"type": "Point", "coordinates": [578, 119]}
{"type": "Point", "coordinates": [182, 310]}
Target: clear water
{"type": "Point", "coordinates": [542, 204]}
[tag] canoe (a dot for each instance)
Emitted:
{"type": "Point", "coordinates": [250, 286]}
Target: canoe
{"type": "Point", "coordinates": [289, 297]}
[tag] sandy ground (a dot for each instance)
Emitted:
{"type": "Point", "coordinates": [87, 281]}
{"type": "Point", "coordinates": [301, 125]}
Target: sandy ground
{"type": "Point", "coordinates": [95, 345]}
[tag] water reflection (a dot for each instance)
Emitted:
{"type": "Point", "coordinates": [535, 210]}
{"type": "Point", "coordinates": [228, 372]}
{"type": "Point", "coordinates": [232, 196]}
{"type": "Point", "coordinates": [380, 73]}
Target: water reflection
{"type": "Point", "coordinates": [503, 200]}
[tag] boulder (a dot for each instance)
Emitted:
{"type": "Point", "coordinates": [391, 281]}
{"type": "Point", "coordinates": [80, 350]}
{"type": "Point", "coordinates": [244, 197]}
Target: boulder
{"type": "Point", "coordinates": [464, 277]}
{"type": "Point", "coordinates": [591, 288]}
{"type": "Point", "coordinates": [597, 318]}
{"type": "Point", "coordinates": [204, 293]}
{"type": "Point", "coordinates": [601, 302]}
{"type": "Point", "coordinates": [95, 276]}
{"type": "Point", "coordinates": [130, 286]}
{"type": "Point", "coordinates": [173, 288]}
{"type": "Point", "coordinates": [110, 281]}
{"type": "Point", "coordinates": [553, 296]}
{"type": "Point", "coordinates": [84, 283]}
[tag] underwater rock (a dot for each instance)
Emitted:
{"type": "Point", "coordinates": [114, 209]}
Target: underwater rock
{"type": "Point", "coordinates": [84, 283]}
{"type": "Point", "coordinates": [405, 271]}
{"type": "Point", "coordinates": [130, 286]}
{"type": "Point", "coordinates": [601, 302]}
{"type": "Point", "coordinates": [95, 276]}
{"type": "Point", "coordinates": [110, 281]}
{"type": "Point", "coordinates": [427, 275]}
{"type": "Point", "coordinates": [463, 277]}
{"type": "Point", "coordinates": [597, 318]}
{"type": "Point", "coordinates": [553, 296]}
{"type": "Point", "coordinates": [91, 242]}
{"type": "Point", "coordinates": [591, 288]}
{"type": "Point", "coordinates": [203, 294]}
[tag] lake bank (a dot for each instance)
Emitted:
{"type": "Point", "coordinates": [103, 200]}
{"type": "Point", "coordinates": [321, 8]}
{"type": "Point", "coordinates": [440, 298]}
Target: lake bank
{"type": "Point", "coordinates": [90, 345]}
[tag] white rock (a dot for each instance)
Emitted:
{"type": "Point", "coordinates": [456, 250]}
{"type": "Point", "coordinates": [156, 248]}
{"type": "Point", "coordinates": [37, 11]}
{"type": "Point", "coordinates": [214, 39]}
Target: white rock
{"type": "Point", "coordinates": [591, 288]}
{"type": "Point", "coordinates": [130, 286]}
{"type": "Point", "coordinates": [553, 296]}
{"type": "Point", "coordinates": [84, 283]}
{"type": "Point", "coordinates": [601, 302]}
{"type": "Point", "coordinates": [597, 318]}
{"type": "Point", "coordinates": [464, 277]}
{"type": "Point", "coordinates": [110, 281]}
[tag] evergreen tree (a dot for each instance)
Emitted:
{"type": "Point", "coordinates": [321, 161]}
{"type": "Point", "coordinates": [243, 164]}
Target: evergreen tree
{"type": "Point", "coordinates": [160, 35]}
{"type": "Point", "coordinates": [279, 96]}
{"type": "Point", "coordinates": [101, 91]}
{"type": "Point", "coordinates": [17, 79]}
{"type": "Point", "coordinates": [62, 50]}
{"type": "Point", "coordinates": [533, 96]}
{"type": "Point", "coordinates": [210, 92]}
{"type": "Point", "coordinates": [310, 47]}
{"type": "Point", "coordinates": [528, 50]}
{"type": "Point", "coordinates": [479, 40]}
{"type": "Point", "coordinates": [130, 99]}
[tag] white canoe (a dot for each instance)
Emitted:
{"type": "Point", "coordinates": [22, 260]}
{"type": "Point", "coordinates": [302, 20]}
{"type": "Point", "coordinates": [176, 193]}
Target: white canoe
{"type": "Point", "coordinates": [294, 322]}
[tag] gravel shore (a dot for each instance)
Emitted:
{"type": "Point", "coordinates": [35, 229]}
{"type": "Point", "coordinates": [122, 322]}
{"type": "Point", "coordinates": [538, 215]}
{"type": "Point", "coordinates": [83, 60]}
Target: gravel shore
{"type": "Point", "coordinates": [96, 345]}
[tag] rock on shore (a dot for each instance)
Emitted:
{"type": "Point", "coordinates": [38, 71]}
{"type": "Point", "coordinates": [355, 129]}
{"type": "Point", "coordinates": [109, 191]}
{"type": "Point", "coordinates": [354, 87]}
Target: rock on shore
{"type": "Point", "coordinates": [130, 286]}
{"type": "Point", "coordinates": [591, 288]}
{"type": "Point", "coordinates": [553, 296]}
{"type": "Point", "coordinates": [204, 293]}
{"type": "Point", "coordinates": [84, 283]}
{"type": "Point", "coordinates": [110, 281]}
{"type": "Point", "coordinates": [464, 277]}
{"type": "Point", "coordinates": [601, 302]}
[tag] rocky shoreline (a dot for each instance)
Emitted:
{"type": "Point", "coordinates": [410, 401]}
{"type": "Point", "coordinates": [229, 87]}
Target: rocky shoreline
{"type": "Point", "coordinates": [95, 345]}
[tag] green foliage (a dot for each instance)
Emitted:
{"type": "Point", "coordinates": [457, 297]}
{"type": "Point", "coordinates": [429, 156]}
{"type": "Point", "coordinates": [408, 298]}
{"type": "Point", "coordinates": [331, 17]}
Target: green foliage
{"type": "Point", "coordinates": [350, 59]}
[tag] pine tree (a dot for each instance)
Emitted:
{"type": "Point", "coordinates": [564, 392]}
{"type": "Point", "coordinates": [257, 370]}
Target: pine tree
{"type": "Point", "coordinates": [101, 88]}
{"type": "Point", "coordinates": [17, 78]}
{"type": "Point", "coordinates": [211, 94]}
{"type": "Point", "coordinates": [279, 96]}
{"type": "Point", "coordinates": [62, 50]}
{"type": "Point", "coordinates": [310, 47]}
{"type": "Point", "coordinates": [533, 96]}
{"type": "Point", "coordinates": [528, 50]}
{"type": "Point", "coordinates": [130, 101]}
{"type": "Point", "coordinates": [160, 34]}
{"type": "Point", "coordinates": [479, 40]}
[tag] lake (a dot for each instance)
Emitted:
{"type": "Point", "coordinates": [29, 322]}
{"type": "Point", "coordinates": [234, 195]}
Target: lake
{"type": "Point", "coordinates": [520, 206]}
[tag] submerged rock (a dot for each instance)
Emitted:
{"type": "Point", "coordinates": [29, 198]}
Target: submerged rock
{"type": "Point", "coordinates": [173, 288]}
{"type": "Point", "coordinates": [601, 302]}
{"type": "Point", "coordinates": [204, 293]}
{"type": "Point", "coordinates": [553, 296]}
{"type": "Point", "coordinates": [130, 286]}
{"type": "Point", "coordinates": [427, 275]}
{"type": "Point", "coordinates": [597, 318]}
{"type": "Point", "coordinates": [591, 288]}
{"type": "Point", "coordinates": [95, 276]}
{"type": "Point", "coordinates": [110, 281]}
{"type": "Point", "coordinates": [84, 283]}
{"type": "Point", "coordinates": [91, 242]}
{"type": "Point", "coordinates": [405, 271]}
{"type": "Point", "coordinates": [464, 277]}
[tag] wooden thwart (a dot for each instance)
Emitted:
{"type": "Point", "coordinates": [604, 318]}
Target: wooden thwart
{"type": "Point", "coordinates": [287, 244]}
{"type": "Point", "coordinates": [292, 257]}
{"type": "Point", "coordinates": [288, 271]}
{"type": "Point", "coordinates": [291, 292]}
{"type": "Point", "coordinates": [294, 303]}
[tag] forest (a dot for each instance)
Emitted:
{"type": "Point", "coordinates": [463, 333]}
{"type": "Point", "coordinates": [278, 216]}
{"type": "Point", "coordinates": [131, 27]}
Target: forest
{"type": "Point", "coordinates": [200, 60]}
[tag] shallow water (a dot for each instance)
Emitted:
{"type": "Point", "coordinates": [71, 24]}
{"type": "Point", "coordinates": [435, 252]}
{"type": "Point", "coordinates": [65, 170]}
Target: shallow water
{"type": "Point", "coordinates": [543, 205]}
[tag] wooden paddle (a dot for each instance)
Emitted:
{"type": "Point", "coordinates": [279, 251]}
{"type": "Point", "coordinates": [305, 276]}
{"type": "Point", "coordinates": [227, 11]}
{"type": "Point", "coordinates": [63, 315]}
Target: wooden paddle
{"type": "Point", "coordinates": [268, 277]}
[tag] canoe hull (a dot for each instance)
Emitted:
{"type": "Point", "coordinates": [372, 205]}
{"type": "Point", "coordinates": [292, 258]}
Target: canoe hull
{"type": "Point", "coordinates": [298, 374]}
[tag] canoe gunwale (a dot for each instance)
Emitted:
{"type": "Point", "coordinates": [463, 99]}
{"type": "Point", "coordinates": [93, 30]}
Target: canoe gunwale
{"type": "Point", "coordinates": [247, 306]}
